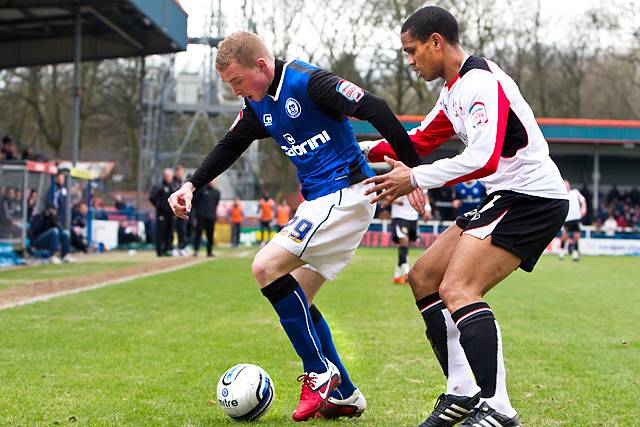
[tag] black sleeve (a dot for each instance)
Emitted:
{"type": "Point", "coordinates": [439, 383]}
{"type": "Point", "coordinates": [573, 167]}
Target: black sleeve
{"type": "Point", "coordinates": [339, 98]}
{"type": "Point", "coordinates": [246, 129]}
{"type": "Point", "coordinates": [153, 195]}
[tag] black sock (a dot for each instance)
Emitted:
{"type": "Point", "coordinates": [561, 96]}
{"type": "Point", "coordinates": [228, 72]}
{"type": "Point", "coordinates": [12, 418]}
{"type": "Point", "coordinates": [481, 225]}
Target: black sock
{"type": "Point", "coordinates": [479, 339]}
{"type": "Point", "coordinates": [402, 255]}
{"type": "Point", "coordinates": [431, 308]}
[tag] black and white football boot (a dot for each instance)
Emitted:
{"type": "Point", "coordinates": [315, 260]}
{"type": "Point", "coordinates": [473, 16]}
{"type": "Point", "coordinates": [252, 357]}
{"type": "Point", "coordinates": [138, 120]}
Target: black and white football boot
{"type": "Point", "coordinates": [486, 416]}
{"type": "Point", "coordinates": [449, 410]}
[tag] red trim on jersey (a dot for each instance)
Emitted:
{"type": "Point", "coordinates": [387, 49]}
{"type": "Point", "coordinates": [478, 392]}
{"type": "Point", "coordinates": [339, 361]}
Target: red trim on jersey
{"type": "Point", "coordinates": [436, 133]}
{"type": "Point", "coordinates": [453, 80]}
{"type": "Point", "coordinates": [492, 164]}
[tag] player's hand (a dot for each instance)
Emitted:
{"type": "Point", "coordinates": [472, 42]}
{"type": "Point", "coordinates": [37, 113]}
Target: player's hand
{"type": "Point", "coordinates": [180, 201]}
{"type": "Point", "coordinates": [417, 200]}
{"type": "Point", "coordinates": [366, 146]}
{"type": "Point", "coordinates": [457, 203]}
{"type": "Point", "coordinates": [392, 184]}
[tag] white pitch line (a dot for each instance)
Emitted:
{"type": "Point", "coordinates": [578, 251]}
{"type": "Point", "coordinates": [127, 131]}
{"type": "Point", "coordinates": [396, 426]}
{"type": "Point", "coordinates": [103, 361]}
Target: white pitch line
{"type": "Point", "coordinates": [51, 295]}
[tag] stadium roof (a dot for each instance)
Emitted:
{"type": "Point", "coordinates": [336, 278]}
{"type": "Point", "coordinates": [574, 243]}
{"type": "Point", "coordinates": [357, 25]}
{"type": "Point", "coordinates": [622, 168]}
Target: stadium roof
{"type": "Point", "coordinates": [585, 131]}
{"type": "Point", "coordinates": [38, 32]}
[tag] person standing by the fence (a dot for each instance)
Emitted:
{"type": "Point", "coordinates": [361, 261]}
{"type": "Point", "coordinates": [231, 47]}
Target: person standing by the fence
{"type": "Point", "coordinates": [205, 205]}
{"type": "Point", "coordinates": [164, 215]}
{"type": "Point", "coordinates": [236, 217]}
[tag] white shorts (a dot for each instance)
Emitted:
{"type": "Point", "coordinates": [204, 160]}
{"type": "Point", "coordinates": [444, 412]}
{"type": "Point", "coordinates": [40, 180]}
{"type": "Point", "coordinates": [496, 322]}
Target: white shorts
{"type": "Point", "coordinates": [326, 232]}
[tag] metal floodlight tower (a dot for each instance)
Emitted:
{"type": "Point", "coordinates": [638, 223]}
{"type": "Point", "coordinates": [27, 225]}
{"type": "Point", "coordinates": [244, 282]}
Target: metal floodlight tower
{"type": "Point", "coordinates": [164, 143]}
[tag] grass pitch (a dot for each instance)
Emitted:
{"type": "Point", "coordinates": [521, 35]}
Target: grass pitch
{"type": "Point", "coordinates": [150, 351]}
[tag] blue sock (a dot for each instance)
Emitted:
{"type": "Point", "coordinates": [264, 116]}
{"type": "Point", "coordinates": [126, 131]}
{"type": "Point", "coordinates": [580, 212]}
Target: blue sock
{"type": "Point", "coordinates": [346, 387]}
{"type": "Point", "coordinates": [289, 301]}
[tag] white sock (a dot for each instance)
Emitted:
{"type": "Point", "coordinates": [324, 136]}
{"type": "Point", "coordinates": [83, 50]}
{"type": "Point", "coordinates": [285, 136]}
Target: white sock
{"type": "Point", "coordinates": [500, 400]}
{"type": "Point", "coordinates": [460, 381]}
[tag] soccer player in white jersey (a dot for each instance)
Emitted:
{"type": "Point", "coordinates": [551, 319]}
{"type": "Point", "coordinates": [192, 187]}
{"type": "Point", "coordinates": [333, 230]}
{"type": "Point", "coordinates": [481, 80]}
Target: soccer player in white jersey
{"type": "Point", "coordinates": [404, 230]}
{"type": "Point", "coordinates": [571, 229]}
{"type": "Point", "coordinates": [525, 207]}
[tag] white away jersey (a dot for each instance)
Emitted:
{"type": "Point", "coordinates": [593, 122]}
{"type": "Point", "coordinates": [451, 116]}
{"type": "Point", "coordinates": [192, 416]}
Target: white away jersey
{"type": "Point", "coordinates": [505, 148]}
{"type": "Point", "coordinates": [576, 199]}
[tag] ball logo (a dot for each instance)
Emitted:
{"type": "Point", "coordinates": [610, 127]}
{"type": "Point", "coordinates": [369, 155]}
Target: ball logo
{"type": "Point", "coordinates": [292, 107]}
{"type": "Point", "coordinates": [225, 392]}
{"type": "Point", "coordinates": [228, 403]}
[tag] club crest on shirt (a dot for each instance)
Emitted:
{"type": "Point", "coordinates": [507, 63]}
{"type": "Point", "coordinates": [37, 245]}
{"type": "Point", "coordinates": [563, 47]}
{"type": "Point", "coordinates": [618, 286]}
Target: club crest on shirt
{"type": "Point", "coordinates": [350, 91]}
{"type": "Point", "coordinates": [478, 114]}
{"type": "Point", "coordinates": [292, 107]}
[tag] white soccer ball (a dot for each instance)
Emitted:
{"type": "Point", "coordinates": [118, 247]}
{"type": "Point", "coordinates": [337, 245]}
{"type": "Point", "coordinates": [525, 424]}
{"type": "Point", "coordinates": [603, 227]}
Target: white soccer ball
{"type": "Point", "coordinates": [245, 392]}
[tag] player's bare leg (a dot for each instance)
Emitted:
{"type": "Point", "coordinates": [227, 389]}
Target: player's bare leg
{"type": "Point", "coordinates": [272, 267]}
{"type": "Point", "coordinates": [401, 273]}
{"type": "Point", "coordinates": [564, 242]}
{"type": "Point", "coordinates": [575, 253]}
{"type": "Point", "coordinates": [425, 277]}
{"type": "Point", "coordinates": [475, 267]}
{"type": "Point", "coordinates": [427, 272]}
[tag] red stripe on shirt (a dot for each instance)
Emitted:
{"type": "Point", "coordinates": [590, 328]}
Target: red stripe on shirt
{"type": "Point", "coordinates": [492, 164]}
{"type": "Point", "coordinates": [436, 133]}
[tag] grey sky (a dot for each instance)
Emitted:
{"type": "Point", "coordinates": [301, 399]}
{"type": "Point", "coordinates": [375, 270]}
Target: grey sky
{"type": "Point", "coordinates": [557, 12]}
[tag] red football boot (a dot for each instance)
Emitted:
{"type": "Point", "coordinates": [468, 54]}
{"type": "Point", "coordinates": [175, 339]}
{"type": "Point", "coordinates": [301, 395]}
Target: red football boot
{"type": "Point", "coordinates": [315, 392]}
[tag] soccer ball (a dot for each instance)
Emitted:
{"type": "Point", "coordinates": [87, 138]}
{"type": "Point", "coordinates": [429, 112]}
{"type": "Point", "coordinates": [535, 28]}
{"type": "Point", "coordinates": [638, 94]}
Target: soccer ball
{"type": "Point", "coordinates": [245, 392]}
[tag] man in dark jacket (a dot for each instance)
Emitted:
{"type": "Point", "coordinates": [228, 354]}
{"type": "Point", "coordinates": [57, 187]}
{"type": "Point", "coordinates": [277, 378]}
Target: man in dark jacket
{"type": "Point", "coordinates": [47, 236]}
{"type": "Point", "coordinates": [205, 204]}
{"type": "Point", "coordinates": [180, 225]}
{"type": "Point", "coordinates": [164, 216]}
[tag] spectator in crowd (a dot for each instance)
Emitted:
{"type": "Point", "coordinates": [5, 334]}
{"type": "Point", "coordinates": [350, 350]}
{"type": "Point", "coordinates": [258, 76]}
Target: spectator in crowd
{"type": "Point", "coordinates": [78, 223]}
{"type": "Point", "coordinates": [12, 203]}
{"type": "Point", "coordinates": [47, 236]}
{"type": "Point", "coordinates": [119, 203]}
{"type": "Point", "coordinates": [57, 197]}
{"type": "Point", "coordinates": [610, 225]}
{"type": "Point", "coordinates": [18, 202]}
{"type": "Point", "coordinates": [622, 206]}
{"type": "Point", "coordinates": [205, 206]}
{"type": "Point", "coordinates": [164, 215]}
{"type": "Point", "coordinates": [127, 233]}
{"type": "Point", "coordinates": [236, 217]}
{"type": "Point", "coordinates": [8, 225]}
{"type": "Point", "coordinates": [9, 148]}
{"type": "Point", "coordinates": [613, 195]}
{"type": "Point", "coordinates": [32, 202]}
{"type": "Point", "coordinates": [283, 214]}
{"type": "Point", "coordinates": [180, 224]}
{"type": "Point", "coordinates": [265, 210]}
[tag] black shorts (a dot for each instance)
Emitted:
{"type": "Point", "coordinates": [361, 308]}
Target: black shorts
{"type": "Point", "coordinates": [572, 226]}
{"type": "Point", "coordinates": [523, 225]}
{"type": "Point", "coordinates": [403, 228]}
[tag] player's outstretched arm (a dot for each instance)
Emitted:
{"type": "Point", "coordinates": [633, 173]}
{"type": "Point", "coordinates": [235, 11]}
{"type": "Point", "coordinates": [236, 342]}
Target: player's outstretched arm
{"type": "Point", "coordinates": [340, 97]}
